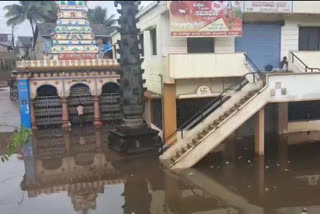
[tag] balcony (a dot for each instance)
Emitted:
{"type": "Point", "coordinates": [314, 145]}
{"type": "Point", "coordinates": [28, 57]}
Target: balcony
{"type": "Point", "coordinates": [186, 66]}
{"type": "Point", "coordinates": [304, 61]}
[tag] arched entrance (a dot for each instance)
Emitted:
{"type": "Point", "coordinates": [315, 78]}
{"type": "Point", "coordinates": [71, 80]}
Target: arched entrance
{"type": "Point", "coordinates": [80, 94]}
{"type": "Point", "coordinates": [48, 109]}
{"type": "Point", "coordinates": [110, 102]}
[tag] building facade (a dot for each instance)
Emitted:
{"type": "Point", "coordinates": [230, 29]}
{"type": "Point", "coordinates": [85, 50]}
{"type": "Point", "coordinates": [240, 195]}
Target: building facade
{"type": "Point", "coordinates": [50, 90]}
{"type": "Point", "coordinates": [184, 73]}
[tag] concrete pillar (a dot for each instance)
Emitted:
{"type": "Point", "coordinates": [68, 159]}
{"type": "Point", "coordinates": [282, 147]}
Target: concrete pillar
{"type": "Point", "coordinates": [169, 109]}
{"type": "Point", "coordinates": [65, 113]}
{"type": "Point", "coordinates": [282, 118]}
{"type": "Point", "coordinates": [259, 132]}
{"type": "Point", "coordinates": [33, 115]}
{"type": "Point", "coordinates": [97, 113]}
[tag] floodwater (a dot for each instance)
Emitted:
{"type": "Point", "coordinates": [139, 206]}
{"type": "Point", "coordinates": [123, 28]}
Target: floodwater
{"type": "Point", "coordinates": [75, 172]}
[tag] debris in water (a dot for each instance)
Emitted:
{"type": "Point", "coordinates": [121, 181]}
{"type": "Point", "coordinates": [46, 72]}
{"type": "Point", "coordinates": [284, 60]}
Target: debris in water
{"type": "Point", "coordinates": [227, 162]}
{"type": "Point", "coordinates": [278, 164]}
{"type": "Point", "coordinates": [240, 157]}
{"type": "Point", "coordinates": [286, 170]}
{"type": "Point", "coordinates": [289, 161]}
{"type": "Point", "coordinates": [249, 186]}
{"type": "Point", "coordinates": [190, 173]}
{"type": "Point", "coordinates": [249, 161]}
{"type": "Point", "coordinates": [267, 167]}
{"type": "Point", "coordinates": [211, 166]}
{"type": "Point", "coordinates": [274, 188]}
{"type": "Point", "coordinates": [266, 189]}
{"type": "Point", "coordinates": [304, 211]}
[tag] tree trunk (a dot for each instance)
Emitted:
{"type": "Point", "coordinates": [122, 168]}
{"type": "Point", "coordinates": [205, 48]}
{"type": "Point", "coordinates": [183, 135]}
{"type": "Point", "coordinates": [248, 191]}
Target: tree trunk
{"type": "Point", "coordinates": [33, 33]}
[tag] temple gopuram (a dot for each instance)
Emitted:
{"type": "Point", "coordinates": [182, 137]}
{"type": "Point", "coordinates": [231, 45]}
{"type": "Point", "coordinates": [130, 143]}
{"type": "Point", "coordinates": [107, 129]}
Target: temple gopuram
{"type": "Point", "coordinates": [72, 75]}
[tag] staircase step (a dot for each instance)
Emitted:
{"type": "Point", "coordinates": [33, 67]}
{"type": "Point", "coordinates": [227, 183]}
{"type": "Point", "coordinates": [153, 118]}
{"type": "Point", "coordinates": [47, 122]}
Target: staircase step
{"type": "Point", "coordinates": [183, 150]}
{"type": "Point", "coordinates": [233, 109]}
{"type": "Point", "coordinates": [211, 126]}
{"type": "Point", "coordinates": [173, 159]}
{"type": "Point", "coordinates": [237, 105]}
{"type": "Point", "coordinates": [216, 122]}
{"type": "Point", "coordinates": [189, 146]}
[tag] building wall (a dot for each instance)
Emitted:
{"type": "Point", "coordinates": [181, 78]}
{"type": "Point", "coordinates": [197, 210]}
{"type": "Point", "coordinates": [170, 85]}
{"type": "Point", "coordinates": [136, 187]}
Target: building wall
{"type": "Point", "coordinates": [310, 7]}
{"type": "Point", "coordinates": [188, 88]}
{"type": "Point", "coordinates": [39, 49]}
{"type": "Point", "coordinates": [290, 31]}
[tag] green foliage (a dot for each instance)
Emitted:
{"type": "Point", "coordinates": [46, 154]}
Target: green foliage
{"type": "Point", "coordinates": [20, 137]}
{"type": "Point", "coordinates": [33, 11]}
{"type": "Point", "coordinates": [99, 15]}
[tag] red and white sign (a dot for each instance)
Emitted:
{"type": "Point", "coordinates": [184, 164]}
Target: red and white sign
{"type": "Point", "coordinates": [77, 56]}
{"type": "Point", "coordinates": [206, 18]}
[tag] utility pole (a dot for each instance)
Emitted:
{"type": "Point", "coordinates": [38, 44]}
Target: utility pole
{"type": "Point", "coordinates": [12, 32]}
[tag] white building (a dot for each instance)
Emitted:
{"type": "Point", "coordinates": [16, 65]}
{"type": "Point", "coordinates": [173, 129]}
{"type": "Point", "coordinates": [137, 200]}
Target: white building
{"type": "Point", "coordinates": [187, 72]}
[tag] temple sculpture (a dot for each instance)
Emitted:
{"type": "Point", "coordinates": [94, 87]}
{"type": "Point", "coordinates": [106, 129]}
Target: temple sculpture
{"type": "Point", "coordinates": [134, 134]}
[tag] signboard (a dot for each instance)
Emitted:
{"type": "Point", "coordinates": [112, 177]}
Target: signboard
{"type": "Point", "coordinates": [203, 90]}
{"type": "Point", "coordinates": [268, 6]}
{"type": "Point", "coordinates": [206, 18]}
{"type": "Point", "coordinates": [77, 56]}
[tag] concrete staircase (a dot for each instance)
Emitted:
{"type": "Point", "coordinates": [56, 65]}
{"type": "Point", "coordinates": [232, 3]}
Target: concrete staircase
{"type": "Point", "coordinates": [193, 144]}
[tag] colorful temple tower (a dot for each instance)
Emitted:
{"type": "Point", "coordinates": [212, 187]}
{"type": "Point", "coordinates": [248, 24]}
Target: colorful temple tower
{"type": "Point", "coordinates": [51, 89]}
{"type": "Point", "coordinates": [73, 38]}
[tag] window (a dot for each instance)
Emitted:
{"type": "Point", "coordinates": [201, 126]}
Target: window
{"type": "Point", "coordinates": [153, 37]}
{"type": "Point", "coordinates": [309, 38]}
{"type": "Point", "coordinates": [200, 45]}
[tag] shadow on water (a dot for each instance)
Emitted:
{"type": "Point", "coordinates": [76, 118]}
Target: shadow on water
{"type": "Point", "coordinates": [75, 172]}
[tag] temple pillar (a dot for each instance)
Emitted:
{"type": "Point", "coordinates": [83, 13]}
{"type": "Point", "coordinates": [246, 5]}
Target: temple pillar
{"type": "Point", "coordinates": [97, 113]}
{"type": "Point", "coordinates": [33, 115]}
{"type": "Point", "coordinates": [282, 118]}
{"type": "Point", "coordinates": [65, 112]}
{"type": "Point", "coordinates": [169, 110]}
{"type": "Point", "coordinates": [259, 132]}
{"type": "Point", "coordinates": [67, 142]}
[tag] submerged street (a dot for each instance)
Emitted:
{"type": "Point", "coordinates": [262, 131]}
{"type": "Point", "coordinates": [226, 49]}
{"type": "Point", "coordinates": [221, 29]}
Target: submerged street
{"type": "Point", "coordinates": [75, 172]}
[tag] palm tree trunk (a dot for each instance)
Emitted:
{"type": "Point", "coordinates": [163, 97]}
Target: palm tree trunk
{"type": "Point", "coordinates": [33, 33]}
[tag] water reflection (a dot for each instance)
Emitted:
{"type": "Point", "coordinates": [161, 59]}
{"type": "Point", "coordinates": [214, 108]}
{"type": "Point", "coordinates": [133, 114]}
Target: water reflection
{"type": "Point", "coordinates": [74, 172]}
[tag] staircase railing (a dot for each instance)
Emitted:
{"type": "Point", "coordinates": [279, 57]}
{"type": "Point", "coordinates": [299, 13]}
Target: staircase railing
{"type": "Point", "coordinates": [306, 67]}
{"type": "Point", "coordinates": [212, 105]}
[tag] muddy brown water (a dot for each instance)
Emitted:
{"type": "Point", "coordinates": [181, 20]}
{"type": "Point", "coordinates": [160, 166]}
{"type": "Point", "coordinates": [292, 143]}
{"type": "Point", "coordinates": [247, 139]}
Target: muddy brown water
{"type": "Point", "coordinates": [75, 172]}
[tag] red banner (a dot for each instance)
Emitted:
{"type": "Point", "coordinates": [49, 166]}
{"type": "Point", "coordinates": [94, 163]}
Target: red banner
{"type": "Point", "coordinates": [206, 18]}
{"type": "Point", "coordinates": [77, 56]}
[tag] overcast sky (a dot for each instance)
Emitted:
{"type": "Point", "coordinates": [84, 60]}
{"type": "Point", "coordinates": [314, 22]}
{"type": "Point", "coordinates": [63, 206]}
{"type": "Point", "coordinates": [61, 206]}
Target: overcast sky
{"type": "Point", "coordinates": [24, 29]}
